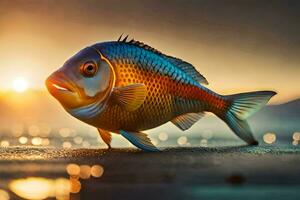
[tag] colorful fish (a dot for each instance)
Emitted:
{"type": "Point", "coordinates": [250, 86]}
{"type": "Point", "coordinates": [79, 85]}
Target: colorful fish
{"type": "Point", "coordinates": [126, 87]}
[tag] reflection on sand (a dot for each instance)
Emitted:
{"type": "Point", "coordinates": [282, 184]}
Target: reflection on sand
{"type": "Point", "coordinates": [84, 171]}
{"type": "Point", "coordinates": [41, 188]}
{"type": "Point", "coordinates": [4, 195]}
{"type": "Point", "coordinates": [37, 188]}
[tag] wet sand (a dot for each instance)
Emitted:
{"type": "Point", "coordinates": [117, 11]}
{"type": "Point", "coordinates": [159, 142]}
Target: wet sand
{"type": "Point", "coordinates": [263, 172]}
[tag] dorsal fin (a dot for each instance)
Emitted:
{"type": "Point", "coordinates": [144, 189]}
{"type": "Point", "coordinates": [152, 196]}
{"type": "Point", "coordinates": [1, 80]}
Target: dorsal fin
{"type": "Point", "coordinates": [119, 39]}
{"type": "Point", "coordinates": [188, 68]}
{"type": "Point", "coordinates": [125, 39]}
{"type": "Point", "coordinates": [144, 46]}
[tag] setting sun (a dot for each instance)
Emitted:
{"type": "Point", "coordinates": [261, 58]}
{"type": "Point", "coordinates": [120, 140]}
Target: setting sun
{"type": "Point", "coordinates": [20, 85]}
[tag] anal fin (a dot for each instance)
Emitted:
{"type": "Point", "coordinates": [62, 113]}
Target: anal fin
{"type": "Point", "coordinates": [139, 140]}
{"type": "Point", "coordinates": [186, 121]}
{"type": "Point", "coordinates": [106, 136]}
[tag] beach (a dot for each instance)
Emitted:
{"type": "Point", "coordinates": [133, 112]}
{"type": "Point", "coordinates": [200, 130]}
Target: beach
{"type": "Point", "coordinates": [261, 172]}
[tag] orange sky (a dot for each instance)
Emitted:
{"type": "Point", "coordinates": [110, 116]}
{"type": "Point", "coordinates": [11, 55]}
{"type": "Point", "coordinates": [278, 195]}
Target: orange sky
{"type": "Point", "coordinates": [248, 51]}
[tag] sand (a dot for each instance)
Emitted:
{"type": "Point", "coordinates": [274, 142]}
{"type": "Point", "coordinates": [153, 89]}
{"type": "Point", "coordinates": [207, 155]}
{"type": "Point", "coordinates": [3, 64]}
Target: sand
{"type": "Point", "coordinates": [263, 172]}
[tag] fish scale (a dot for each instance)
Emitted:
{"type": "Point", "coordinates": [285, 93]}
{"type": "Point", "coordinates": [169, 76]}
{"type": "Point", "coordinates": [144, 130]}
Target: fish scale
{"type": "Point", "coordinates": [161, 103]}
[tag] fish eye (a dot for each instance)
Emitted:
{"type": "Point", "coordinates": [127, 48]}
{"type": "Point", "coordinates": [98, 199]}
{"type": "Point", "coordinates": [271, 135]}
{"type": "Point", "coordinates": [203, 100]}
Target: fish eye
{"type": "Point", "coordinates": [89, 69]}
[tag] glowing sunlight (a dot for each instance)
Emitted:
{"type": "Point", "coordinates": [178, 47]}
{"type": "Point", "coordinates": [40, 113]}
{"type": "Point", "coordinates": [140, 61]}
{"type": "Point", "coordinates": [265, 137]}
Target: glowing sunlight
{"type": "Point", "coordinates": [20, 84]}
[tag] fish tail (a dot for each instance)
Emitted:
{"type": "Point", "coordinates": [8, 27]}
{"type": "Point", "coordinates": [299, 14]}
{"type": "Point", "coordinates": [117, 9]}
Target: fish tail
{"type": "Point", "coordinates": [239, 108]}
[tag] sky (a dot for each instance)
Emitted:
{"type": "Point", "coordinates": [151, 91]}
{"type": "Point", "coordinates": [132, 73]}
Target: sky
{"type": "Point", "coordinates": [238, 46]}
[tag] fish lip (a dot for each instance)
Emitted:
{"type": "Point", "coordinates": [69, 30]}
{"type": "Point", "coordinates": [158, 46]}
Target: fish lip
{"type": "Point", "coordinates": [59, 84]}
{"type": "Point", "coordinates": [61, 88]}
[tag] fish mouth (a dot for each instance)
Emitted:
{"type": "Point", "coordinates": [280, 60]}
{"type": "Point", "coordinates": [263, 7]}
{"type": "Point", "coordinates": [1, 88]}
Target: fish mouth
{"type": "Point", "coordinates": [58, 83]}
{"type": "Point", "coordinates": [61, 88]}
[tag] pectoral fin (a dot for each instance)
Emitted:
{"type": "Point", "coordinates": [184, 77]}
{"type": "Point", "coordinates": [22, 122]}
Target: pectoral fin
{"type": "Point", "coordinates": [139, 140]}
{"type": "Point", "coordinates": [131, 97]}
{"type": "Point", "coordinates": [106, 136]}
{"type": "Point", "coordinates": [185, 121]}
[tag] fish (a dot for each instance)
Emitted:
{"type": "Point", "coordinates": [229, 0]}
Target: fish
{"type": "Point", "coordinates": [126, 87]}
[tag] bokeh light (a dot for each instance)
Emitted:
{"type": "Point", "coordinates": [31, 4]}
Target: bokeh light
{"type": "Point", "coordinates": [45, 141]}
{"type": "Point", "coordinates": [65, 132]}
{"type": "Point", "coordinates": [269, 138]}
{"type": "Point", "coordinates": [97, 171]}
{"type": "Point", "coordinates": [23, 140]}
{"type": "Point", "coordinates": [36, 141]}
{"type": "Point", "coordinates": [182, 140]}
{"type": "Point", "coordinates": [203, 143]}
{"type": "Point", "coordinates": [163, 136]}
{"type": "Point", "coordinates": [4, 143]}
{"type": "Point", "coordinates": [4, 195]}
{"type": "Point", "coordinates": [85, 171]}
{"type": "Point", "coordinates": [66, 145]}
{"type": "Point", "coordinates": [77, 140]}
{"type": "Point", "coordinates": [296, 136]}
{"type": "Point", "coordinates": [73, 169]}
{"type": "Point", "coordinates": [36, 188]}
{"type": "Point", "coordinates": [75, 185]}
{"type": "Point", "coordinates": [61, 189]}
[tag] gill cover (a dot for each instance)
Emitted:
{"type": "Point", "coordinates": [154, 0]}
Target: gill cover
{"type": "Point", "coordinates": [99, 88]}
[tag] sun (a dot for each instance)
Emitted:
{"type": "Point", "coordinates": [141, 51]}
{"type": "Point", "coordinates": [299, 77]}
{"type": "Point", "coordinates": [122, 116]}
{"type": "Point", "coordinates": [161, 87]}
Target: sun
{"type": "Point", "coordinates": [20, 84]}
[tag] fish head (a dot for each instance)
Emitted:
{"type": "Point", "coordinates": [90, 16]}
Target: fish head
{"type": "Point", "coordinates": [83, 83]}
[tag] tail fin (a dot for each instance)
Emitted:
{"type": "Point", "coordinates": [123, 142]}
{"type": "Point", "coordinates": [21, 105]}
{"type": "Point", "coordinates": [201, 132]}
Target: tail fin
{"type": "Point", "coordinates": [242, 106]}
